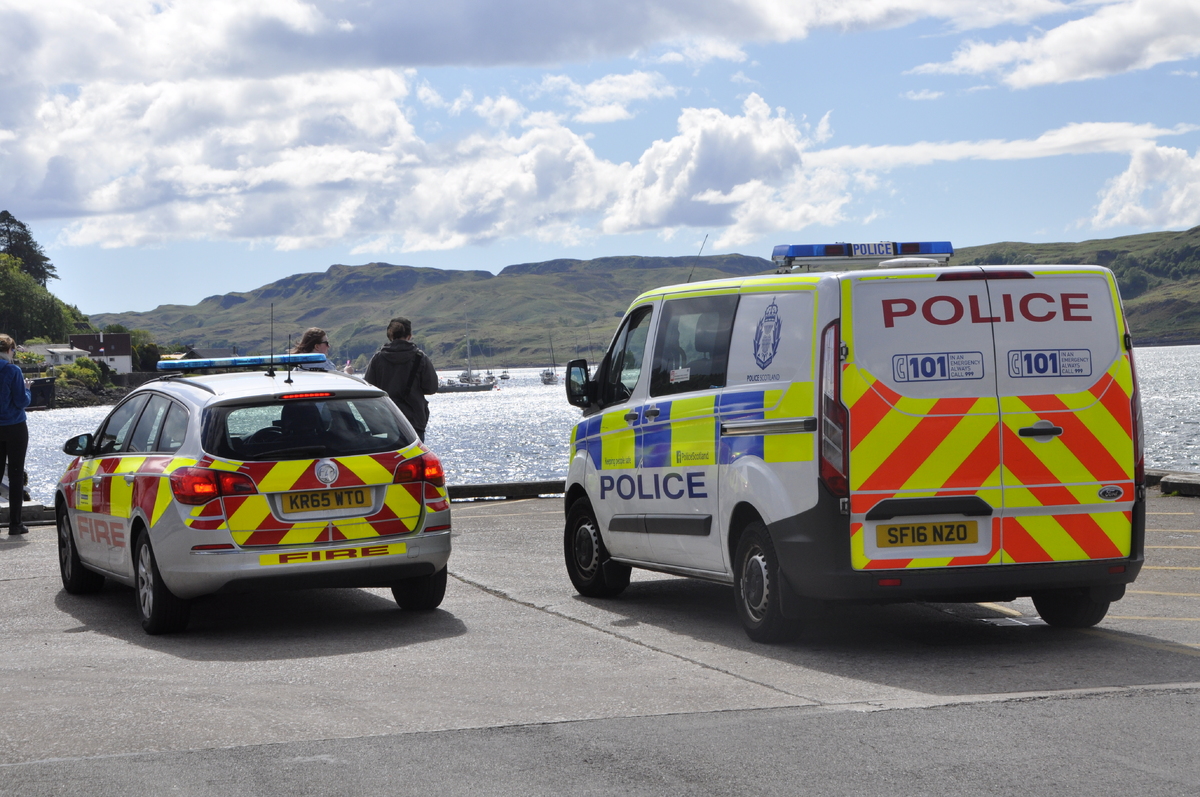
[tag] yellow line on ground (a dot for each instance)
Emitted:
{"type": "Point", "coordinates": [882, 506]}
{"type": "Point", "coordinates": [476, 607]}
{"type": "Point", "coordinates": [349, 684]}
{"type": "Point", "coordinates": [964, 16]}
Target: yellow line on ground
{"type": "Point", "coordinates": [1176, 547]}
{"type": "Point", "coordinates": [1167, 567]}
{"type": "Point", "coordinates": [1002, 609]}
{"type": "Point", "coordinates": [510, 514]}
{"type": "Point", "coordinates": [1142, 643]}
{"type": "Point", "coordinates": [1152, 592]}
{"type": "Point", "coordinates": [1139, 617]}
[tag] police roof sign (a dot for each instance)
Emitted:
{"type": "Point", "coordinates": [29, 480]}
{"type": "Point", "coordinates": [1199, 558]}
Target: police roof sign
{"type": "Point", "coordinates": [788, 255]}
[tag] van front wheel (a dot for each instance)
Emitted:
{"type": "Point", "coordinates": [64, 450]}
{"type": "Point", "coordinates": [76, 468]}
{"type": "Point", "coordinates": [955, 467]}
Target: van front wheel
{"type": "Point", "coordinates": [1070, 608]}
{"type": "Point", "coordinates": [756, 587]}
{"type": "Point", "coordinates": [592, 572]}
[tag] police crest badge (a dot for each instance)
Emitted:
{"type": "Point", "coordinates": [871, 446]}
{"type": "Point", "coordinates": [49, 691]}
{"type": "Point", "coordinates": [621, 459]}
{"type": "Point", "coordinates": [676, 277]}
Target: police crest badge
{"type": "Point", "coordinates": [766, 337]}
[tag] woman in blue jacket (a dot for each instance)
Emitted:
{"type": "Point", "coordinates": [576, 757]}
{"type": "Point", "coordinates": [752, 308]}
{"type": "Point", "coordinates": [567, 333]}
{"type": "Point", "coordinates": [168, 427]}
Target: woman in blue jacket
{"type": "Point", "coordinates": [14, 434]}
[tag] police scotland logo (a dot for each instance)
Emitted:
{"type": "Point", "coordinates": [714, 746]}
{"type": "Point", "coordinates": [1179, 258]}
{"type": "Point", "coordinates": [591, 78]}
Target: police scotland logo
{"type": "Point", "coordinates": [327, 471]}
{"type": "Point", "coordinates": [766, 337]}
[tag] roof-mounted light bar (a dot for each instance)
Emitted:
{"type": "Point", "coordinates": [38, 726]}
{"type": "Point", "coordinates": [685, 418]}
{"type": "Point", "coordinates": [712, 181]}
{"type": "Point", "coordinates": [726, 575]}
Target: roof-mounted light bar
{"type": "Point", "coordinates": [240, 362]}
{"type": "Point", "coordinates": [788, 256]}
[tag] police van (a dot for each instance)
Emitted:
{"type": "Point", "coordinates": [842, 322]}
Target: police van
{"type": "Point", "coordinates": [902, 430]}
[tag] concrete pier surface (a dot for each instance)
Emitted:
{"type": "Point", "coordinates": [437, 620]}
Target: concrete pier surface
{"type": "Point", "coordinates": [517, 685]}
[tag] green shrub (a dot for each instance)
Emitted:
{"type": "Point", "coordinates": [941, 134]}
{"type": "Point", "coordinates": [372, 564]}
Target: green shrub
{"type": "Point", "coordinates": [83, 371]}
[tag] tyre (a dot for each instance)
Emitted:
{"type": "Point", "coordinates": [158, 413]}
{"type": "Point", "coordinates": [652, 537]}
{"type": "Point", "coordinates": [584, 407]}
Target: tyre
{"type": "Point", "coordinates": [591, 570]}
{"type": "Point", "coordinates": [76, 579]}
{"type": "Point", "coordinates": [756, 587]}
{"type": "Point", "coordinates": [160, 610]}
{"type": "Point", "coordinates": [423, 593]}
{"type": "Point", "coordinates": [1070, 608]}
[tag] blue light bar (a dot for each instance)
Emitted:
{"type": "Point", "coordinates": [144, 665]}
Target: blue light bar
{"type": "Point", "coordinates": [873, 251]}
{"type": "Point", "coordinates": [240, 362]}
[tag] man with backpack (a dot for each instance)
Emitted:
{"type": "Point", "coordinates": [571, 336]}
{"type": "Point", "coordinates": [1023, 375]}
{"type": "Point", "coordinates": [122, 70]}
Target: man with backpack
{"type": "Point", "coordinates": [405, 372]}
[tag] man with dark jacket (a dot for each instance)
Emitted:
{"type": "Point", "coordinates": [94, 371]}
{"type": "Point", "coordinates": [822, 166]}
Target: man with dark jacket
{"type": "Point", "coordinates": [405, 373]}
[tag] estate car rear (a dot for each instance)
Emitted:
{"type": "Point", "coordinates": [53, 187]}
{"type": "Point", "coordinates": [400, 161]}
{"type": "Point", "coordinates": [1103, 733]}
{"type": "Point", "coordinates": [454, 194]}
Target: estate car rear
{"type": "Point", "coordinates": [237, 482]}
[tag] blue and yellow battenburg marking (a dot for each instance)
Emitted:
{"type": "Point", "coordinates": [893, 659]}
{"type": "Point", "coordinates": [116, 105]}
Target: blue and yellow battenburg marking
{"type": "Point", "coordinates": [687, 431]}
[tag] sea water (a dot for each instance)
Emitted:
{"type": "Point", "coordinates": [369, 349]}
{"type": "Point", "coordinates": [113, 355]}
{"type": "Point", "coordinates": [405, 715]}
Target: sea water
{"type": "Point", "coordinates": [521, 431]}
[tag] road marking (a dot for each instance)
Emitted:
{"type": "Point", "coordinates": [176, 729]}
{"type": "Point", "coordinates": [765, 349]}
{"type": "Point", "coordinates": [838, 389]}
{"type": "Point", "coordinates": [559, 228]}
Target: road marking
{"type": "Point", "coordinates": [1152, 592]}
{"type": "Point", "coordinates": [1140, 617]}
{"type": "Point", "coordinates": [1002, 609]}
{"type": "Point", "coordinates": [1167, 567]}
{"type": "Point", "coordinates": [511, 514]}
{"type": "Point", "coordinates": [1117, 636]}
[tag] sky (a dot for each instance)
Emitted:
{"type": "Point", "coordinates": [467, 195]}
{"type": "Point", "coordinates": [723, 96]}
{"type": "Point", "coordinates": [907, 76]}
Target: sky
{"type": "Point", "coordinates": [162, 152]}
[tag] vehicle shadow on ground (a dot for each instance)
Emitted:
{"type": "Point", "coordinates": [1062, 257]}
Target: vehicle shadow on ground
{"type": "Point", "coordinates": [268, 626]}
{"type": "Point", "coordinates": [945, 649]}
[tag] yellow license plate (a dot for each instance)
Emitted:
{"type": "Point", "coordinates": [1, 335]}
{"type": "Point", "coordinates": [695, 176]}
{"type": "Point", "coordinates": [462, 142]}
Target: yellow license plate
{"type": "Point", "coordinates": [325, 500]}
{"type": "Point", "coordinates": [904, 535]}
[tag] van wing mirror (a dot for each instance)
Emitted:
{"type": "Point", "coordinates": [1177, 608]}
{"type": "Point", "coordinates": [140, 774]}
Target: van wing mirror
{"type": "Point", "coordinates": [580, 389]}
{"type": "Point", "coordinates": [78, 446]}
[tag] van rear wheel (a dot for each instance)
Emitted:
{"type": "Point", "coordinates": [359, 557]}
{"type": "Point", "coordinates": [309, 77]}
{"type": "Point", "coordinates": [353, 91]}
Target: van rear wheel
{"type": "Point", "coordinates": [756, 587]}
{"type": "Point", "coordinates": [1070, 608]}
{"type": "Point", "coordinates": [591, 570]}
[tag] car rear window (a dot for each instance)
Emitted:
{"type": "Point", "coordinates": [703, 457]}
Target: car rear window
{"type": "Point", "coordinates": [299, 429]}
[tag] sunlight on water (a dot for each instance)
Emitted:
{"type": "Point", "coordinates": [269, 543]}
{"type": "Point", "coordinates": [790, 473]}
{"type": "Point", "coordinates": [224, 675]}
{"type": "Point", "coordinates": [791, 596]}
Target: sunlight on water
{"type": "Point", "coordinates": [521, 431]}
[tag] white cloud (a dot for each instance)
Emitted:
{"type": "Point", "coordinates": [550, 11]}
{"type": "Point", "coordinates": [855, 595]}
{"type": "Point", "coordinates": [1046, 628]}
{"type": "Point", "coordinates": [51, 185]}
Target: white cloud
{"type": "Point", "coordinates": [1118, 37]}
{"type": "Point", "coordinates": [1074, 139]}
{"type": "Point", "coordinates": [607, 99]}
{"type": "Point", "coordinates": [1160, 189]}
{"type": "Point", "coordinates": [500, 111]}
{"type": "Point", "coordinates": [923, 94]}
{"type": "Point", "coordinates": [75, 40]}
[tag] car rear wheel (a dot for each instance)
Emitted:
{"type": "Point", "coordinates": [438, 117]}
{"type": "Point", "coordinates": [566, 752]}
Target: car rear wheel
{"type": "Point", "coordinates": [756, 587]}
{"type": "Point", "coordinates": [160, 610]}
{"type": "Point", "coordinates": [1070, 608]}
{"type": "Point", "coordinates": [591, 570]}
{"type": "Point", "coordinates": [76, 579]}
{"type": "Point", "coordinates": [423, 593]}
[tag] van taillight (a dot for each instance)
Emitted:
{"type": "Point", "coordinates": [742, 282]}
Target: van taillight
{"type": "Point", "coordinates": [835, 461]}
{"type": "Point", "coordinates": [425, 468]}
{"type": "Point", "coordinates": [1135, 409]}
{"type": "Point", "coordinates": [197, 486]}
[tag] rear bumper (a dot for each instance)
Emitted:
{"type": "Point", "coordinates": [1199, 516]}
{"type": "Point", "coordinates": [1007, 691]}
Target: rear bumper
{"type": "Point", "coordinates": [814, 558]}
{"type": "Point", "coordinates": [204, 573]}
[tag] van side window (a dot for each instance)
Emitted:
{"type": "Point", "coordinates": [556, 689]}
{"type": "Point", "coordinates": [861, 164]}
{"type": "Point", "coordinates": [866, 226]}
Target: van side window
{"type": "Point", "coordinates": [692, 347]}
{"type": "Point", "coordinates": [624, 366]}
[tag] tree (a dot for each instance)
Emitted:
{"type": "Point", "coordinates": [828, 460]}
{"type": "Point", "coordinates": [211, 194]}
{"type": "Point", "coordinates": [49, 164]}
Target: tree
{"type": "Point", "coordinates": [16, 241]}
{"type": "Point", "coordinates": [28, 310]}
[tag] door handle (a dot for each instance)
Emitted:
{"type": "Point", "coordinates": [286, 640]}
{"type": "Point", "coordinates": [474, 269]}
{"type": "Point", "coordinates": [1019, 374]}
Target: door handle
{"type": "Point", "coordinates": [1040, 431]}
{"type": "Point", "coordinates": [651, 412]}
{"type": "Point", "coordinates": [631, 416]}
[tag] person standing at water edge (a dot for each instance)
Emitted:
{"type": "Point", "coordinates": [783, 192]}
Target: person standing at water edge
{"type": "Point", "coordinates": [314, 341]}
{"type": "Point", "coordinates": [14, 433]}
{"type": "Point", "coordinates": [404, 371]}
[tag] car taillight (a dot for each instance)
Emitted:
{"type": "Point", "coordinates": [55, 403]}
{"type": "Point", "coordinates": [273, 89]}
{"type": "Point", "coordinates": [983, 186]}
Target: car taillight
{"type": "Point", "coordinates": [197, 486]}
{"type": "Point", "coordinates": [425, 468]}
{"type": "Point", "coordinates": [835, 465]}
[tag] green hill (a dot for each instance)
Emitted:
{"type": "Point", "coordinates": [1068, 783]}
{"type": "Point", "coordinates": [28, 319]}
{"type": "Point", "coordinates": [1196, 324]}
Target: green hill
{"type": "Point", "coordinates": [512, 315]}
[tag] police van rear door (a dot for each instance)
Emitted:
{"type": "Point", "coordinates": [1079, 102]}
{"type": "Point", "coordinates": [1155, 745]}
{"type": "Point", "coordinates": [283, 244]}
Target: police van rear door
{"type": "Point", "coordinates": [919, 382]}
{"type": "Point", "coordinates": [1065, 383]}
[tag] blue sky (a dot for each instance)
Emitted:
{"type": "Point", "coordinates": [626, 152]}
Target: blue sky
{"type": "Point", "coordinates": [163, 152]}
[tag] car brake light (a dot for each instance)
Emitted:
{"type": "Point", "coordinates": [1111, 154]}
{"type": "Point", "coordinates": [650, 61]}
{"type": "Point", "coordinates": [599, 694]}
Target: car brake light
{"type": "Point", "coordinates": [195, 486]}
{"type": "Point", "coordinates": [425, 468]}
{"type": "Point", "coordinates": [835, 466]}
{"type": "Point", "coordinates": [290, 396]}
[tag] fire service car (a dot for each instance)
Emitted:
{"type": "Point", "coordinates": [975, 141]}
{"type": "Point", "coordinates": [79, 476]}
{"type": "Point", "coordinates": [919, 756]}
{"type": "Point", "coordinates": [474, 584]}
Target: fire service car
{"type": "Point", "coordinates": [898, 431]}
{"type": "Point", "coordinates": [232, 482]}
